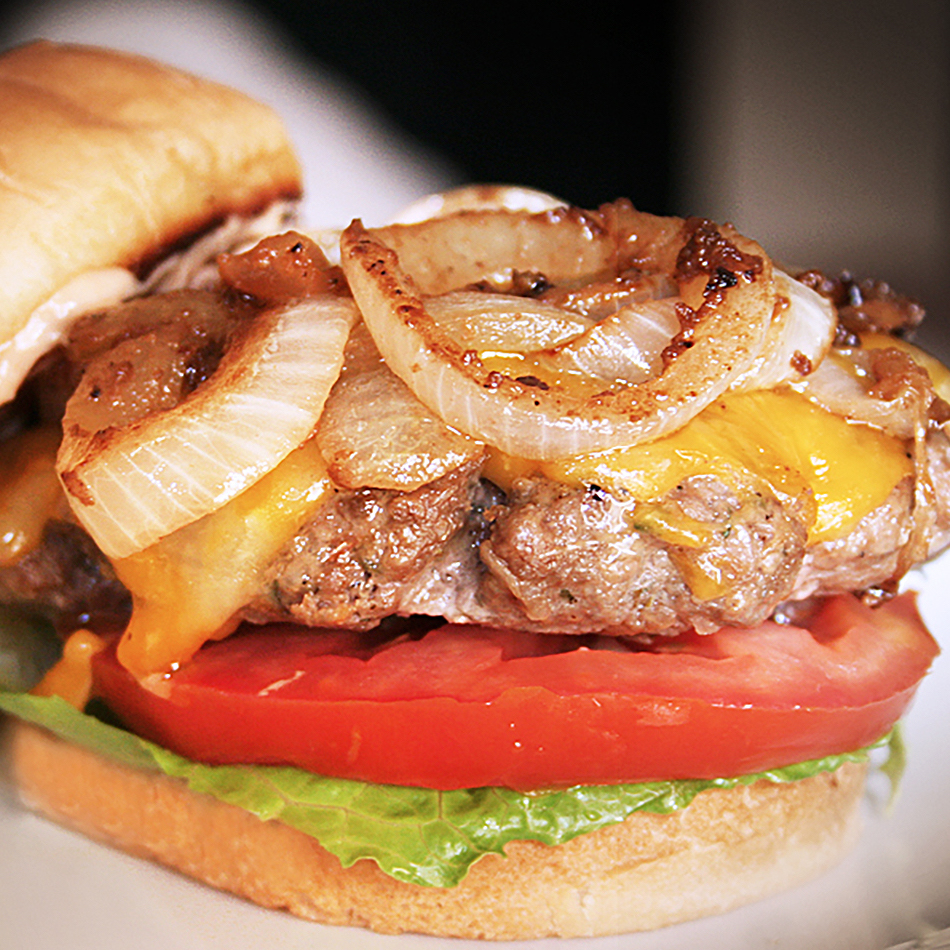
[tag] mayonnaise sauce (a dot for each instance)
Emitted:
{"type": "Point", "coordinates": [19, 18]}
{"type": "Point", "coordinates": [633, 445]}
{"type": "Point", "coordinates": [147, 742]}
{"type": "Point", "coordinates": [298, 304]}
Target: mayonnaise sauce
{"type": "Point", "coordinates": [48, 324]}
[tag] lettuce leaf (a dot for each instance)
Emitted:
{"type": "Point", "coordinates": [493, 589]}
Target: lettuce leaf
{"type": "Point", "coordinates": [418, 835]}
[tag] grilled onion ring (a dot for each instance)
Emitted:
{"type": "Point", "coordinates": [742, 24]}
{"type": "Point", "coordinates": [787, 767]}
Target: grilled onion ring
{"type": "Point", "coordinates": [724, 278]}
{"type": "Point", "coordinates": [130, 486]}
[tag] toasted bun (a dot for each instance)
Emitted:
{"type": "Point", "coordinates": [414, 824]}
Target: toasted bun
{"type": "Point", "coordinates": [728, 848]}
{"type": "Point", "coordinates": [109, 159]}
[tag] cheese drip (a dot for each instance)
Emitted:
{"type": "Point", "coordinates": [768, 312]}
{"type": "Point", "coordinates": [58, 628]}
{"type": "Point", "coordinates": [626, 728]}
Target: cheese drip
{"type": "Point", "coordinates": [188, 587]}
{"type": "Point", "coordinates": [31, 493]}
{"type": "Point", "coordinates": [773, 436]}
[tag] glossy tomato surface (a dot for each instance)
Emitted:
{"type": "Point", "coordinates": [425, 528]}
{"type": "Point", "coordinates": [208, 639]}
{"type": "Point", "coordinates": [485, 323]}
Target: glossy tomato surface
{"type": "Point", "coordinates": [469, 706]}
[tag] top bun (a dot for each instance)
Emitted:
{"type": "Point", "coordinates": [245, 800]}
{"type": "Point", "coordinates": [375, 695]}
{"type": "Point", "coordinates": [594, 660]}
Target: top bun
{"type": "Point", "coordinates": [112, 159]}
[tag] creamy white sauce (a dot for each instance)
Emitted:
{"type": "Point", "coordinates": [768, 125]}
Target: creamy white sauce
{"type": "Point", "coordinates": [49, 323]}
{"type": "Point", "coordinates": [105, 287]}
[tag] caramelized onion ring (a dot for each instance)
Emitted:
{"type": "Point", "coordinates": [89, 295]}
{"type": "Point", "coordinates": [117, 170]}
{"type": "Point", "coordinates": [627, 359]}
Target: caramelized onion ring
{"type": "Point", "coordinates": [132, 486]}
{"type": "Point", "coordinates": [390, 270]}
{"type": "Point", "coordinates": [478, 245]}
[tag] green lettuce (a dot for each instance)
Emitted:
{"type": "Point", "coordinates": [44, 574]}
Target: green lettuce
{"type": "Point", "coordinates": [417, 835]}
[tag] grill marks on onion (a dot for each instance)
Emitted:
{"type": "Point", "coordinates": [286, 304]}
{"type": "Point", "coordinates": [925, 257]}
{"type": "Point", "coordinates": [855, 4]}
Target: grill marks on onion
{"type": "Point", "coordinates": [582, 409]}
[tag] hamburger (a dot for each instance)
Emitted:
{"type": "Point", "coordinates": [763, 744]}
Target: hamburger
{"type": "Point", "coordinates": [524, 571]}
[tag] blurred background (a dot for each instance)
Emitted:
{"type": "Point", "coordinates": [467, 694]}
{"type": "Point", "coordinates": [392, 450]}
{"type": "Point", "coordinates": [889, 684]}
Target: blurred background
{"type": "Point", "coordinates": [822, 129]}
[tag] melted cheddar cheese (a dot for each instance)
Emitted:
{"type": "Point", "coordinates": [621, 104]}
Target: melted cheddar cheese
{"type": "Point", "coordinates": [188, 587]}
{"type": "Point", "coordinates": [71, 677]}
{"type": "Point", "coordinates": [773, 436]}
{"type": "Point", "coordinates": [31, 492]}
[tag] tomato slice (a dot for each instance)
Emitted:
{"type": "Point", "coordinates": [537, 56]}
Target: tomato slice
{"type": "Point", "coordinates": [470, 706]}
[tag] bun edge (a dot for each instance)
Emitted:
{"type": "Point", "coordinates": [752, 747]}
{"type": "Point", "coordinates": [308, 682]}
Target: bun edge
{"type": "Point", "coordinates": [728, 848]}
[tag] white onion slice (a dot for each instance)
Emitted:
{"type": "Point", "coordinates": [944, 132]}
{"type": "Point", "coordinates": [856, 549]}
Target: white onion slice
{"type": "Point", "coordinates": [799, 336]}
{"type": "Point", "coordinates": [600, 298]}
{"type": "Point", "coordinates": [487, 321]}
{"type": "Point", "coordinates": [626, 345]}
{"type": "Point", "coordinates": [516, 414]}
{"type": "Point", "coordinates": [842, 386]}
{"type": "Point", "coordinates": [131, 487]}
{"type": "Point", "coordinates": [375, 433]}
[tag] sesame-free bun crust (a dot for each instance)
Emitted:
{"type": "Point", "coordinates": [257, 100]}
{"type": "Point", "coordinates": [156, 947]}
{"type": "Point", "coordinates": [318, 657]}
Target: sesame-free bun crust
{"type": "Point", "coordinates": [728, 848]}
{"type": "Point", "coordinates": [110, 159]}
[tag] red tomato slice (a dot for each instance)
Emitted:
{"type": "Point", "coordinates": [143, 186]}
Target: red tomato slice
{"type": "Point", "coordinates": [470, 706]}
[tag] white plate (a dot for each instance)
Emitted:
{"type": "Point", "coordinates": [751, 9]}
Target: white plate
{"type": "Point", "coordinates": [58, 890]}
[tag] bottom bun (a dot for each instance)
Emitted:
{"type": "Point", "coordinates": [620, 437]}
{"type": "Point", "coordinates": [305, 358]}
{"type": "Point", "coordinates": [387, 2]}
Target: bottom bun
{"type": "Point", "coordinates": [729, 847]}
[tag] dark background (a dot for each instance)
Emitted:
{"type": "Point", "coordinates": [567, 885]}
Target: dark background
{"type": "Point", "coordinates": [819, 126]}
{"type": "Point", "coordinates": [577, 102]}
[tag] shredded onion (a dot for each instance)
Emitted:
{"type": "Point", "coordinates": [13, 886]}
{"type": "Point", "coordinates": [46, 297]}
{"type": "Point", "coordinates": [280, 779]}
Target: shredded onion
{"type": "Point", "coordinates": [389, 271]}
{"type": "Point", "coordinates": [131, 486]}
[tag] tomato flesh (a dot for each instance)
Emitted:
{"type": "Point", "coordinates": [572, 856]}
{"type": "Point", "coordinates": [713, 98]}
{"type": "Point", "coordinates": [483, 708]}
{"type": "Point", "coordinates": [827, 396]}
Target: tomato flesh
{"type": "Point", "coordinates": [470, 706]}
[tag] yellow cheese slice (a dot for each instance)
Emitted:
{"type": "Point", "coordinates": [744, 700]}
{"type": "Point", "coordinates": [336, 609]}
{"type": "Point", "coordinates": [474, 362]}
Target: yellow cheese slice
{"type": "Point", "coordinates": [187, 587]}
{"type": "Point", "coordinates": [774, 436]}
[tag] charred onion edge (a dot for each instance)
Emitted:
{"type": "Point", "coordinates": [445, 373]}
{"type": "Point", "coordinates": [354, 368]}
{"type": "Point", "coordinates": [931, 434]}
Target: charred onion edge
{"type": "Point", "coordinates": [724, 337]}
{"type": "Point", "coordinates": [164, 491]}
